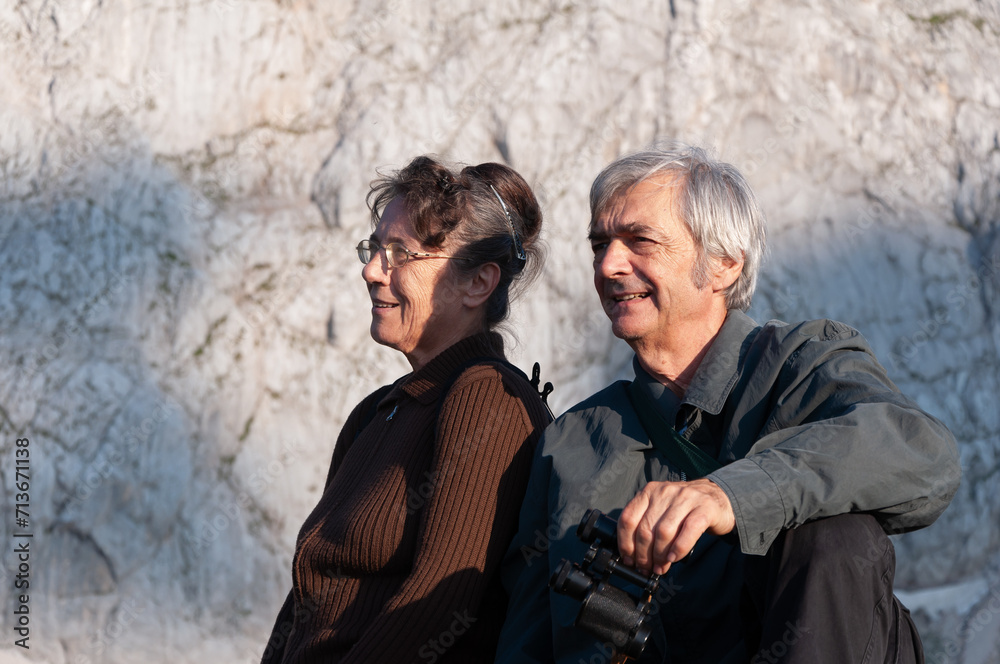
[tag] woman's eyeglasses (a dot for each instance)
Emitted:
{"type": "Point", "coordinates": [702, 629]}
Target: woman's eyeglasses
{"type": "Point", "coordinates": [395, 253]}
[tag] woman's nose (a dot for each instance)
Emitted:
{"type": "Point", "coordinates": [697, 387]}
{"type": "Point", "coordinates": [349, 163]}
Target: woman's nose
{"type": "Point", "coordinates": [376, 270]}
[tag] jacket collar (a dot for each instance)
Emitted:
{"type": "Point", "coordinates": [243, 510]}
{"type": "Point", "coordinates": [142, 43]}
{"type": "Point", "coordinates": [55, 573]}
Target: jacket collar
{"type": "Point", "coordinates": [425, 384]}
{"type": "Point", "coordinates": [719, 369]}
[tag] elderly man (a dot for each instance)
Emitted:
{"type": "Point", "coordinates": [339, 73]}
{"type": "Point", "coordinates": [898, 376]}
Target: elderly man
{"type": "Point", "coordinates": [758, 468]}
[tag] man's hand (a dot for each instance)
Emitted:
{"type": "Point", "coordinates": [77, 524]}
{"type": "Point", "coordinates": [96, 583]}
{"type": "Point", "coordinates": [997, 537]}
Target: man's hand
{"type": "Point", "coordinates": [664, 521]}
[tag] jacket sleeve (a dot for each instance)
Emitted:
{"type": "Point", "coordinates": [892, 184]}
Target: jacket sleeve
{"type": "Point", "coordinates": [840, 438]}
{"type": "Point", "coordinates": [527, 632]}
{"type": "Point", "coordinates": [484, 439]}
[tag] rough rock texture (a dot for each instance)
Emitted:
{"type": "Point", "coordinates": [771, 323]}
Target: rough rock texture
{"type": "Point", "coordinates": [183, 325]}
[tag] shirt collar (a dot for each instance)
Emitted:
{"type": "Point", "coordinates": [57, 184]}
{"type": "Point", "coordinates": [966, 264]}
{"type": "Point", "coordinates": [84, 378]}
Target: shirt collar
{"type": "Point", "coordinates": [664, 399]}
{"type": "Point", "coordinates": [718, 370]}
{"type": "Point", "coordinates": [425, 384]}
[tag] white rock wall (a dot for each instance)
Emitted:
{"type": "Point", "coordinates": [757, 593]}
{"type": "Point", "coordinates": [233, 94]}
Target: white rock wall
{"type": "Point", "coordinates": [183, 326]}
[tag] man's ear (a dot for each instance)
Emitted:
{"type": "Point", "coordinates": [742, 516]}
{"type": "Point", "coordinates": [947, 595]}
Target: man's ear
{"type": "Point", "coordinates": [726, 272]}
{"type": "Point", "coordinates": [481, 285]}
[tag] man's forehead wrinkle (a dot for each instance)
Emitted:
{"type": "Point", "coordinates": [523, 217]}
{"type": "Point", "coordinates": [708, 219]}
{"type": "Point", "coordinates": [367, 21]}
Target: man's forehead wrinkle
{"type": "Point", "coordinates": [632, 228]}
{"type": "Point", "coordinates": [639, 228]}
{"type": "Point", "coordinates": [613, 208]}
{"type": "Point", "coordinates": [621, 216]}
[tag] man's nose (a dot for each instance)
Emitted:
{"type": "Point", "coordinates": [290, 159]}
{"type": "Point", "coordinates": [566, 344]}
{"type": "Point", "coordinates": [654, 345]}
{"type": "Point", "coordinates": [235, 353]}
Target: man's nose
{"type": "Point", "coordinates": [614, 260]}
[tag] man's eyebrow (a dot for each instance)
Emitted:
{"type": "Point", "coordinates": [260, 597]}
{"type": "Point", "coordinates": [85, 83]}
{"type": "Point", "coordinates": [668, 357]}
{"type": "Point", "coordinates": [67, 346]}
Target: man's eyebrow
{"type": "Point", "coordinates": [633, 228]}
{"type": "Point", "coordinates": [593, 236]}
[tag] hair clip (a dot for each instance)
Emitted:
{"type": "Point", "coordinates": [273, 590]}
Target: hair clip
{"type": "Point", "coordinates": [515, 236]}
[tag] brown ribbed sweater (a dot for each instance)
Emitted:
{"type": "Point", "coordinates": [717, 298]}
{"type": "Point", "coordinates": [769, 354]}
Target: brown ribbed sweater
{"type": "Point", "coordinates": [399, 561]}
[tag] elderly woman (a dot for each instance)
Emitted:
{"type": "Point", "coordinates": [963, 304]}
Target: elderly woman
{"type": "Point", "coordinates": [399, 560]}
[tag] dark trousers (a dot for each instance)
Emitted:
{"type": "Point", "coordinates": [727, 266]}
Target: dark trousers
{"type": "Point", "coordinates": [823, 593]}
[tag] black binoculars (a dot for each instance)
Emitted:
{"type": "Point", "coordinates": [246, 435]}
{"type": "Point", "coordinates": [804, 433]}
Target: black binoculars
{"type": "Point", "coordinates": [609, 612]}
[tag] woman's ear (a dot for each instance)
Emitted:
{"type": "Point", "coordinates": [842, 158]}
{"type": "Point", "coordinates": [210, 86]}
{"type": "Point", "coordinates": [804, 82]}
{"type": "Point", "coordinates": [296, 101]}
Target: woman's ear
{"type": "Point", "coordinates": [481, 285]}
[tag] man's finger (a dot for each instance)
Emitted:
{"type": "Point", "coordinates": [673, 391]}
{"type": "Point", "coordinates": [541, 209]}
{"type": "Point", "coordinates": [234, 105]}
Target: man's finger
{"type": "Point", "coordinates": [644, 538]}
{"type": "Point", "coordinates": [628, 521]}
{"type": "Point", "coordinates": [690, 531]}
{"type": "Point", "coordinates": [657, 528]}
{"type": "Point", "coordinates": [665, 535]}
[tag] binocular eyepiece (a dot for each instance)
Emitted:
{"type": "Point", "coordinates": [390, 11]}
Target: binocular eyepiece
{"type": "Point", "coordinates": [609, 612]}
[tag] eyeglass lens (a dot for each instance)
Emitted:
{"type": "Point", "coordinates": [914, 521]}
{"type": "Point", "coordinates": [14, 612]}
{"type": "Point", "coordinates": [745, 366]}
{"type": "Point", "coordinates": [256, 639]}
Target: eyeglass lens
{"type": "Point", "coordinates": [397, 254]}
{"type": "Point", "coordinates": [394, 252]}
{"type": "Point", "coordinates": [365, 251]}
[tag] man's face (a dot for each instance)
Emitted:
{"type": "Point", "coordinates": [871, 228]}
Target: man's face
{"type": "Point", "coordinates": [646, 268]}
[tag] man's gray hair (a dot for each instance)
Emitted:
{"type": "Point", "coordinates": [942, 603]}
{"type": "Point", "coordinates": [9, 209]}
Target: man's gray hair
{"type": "Point", "coordinates": [714, 200]}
